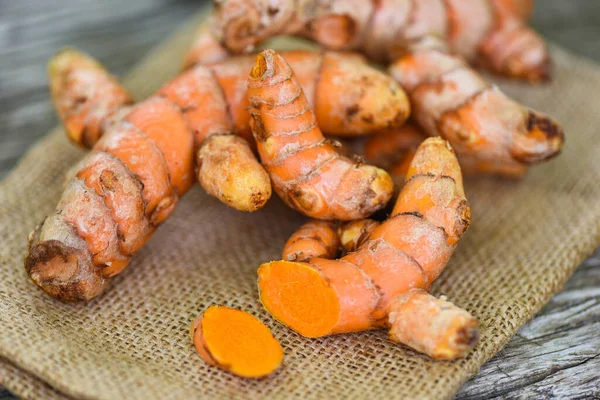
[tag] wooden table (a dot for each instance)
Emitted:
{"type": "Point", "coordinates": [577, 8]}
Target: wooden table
{"type": "Point", "coordinates": [555, 355]}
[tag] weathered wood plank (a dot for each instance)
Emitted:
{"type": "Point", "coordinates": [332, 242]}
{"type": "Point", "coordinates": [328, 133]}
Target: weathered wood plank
{"type": "Point", "coordinates": [557, 355]}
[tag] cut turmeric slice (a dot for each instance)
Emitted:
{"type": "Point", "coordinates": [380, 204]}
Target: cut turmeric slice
{"type": "Point", "coordinates": [236, 341]}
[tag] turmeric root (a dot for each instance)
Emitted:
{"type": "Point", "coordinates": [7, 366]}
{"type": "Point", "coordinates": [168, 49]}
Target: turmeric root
{"type": "Point", "coordinates": [393, 150]}
{"type": "Point", "coordinates": [112, 203]}
{"type": "Point", "coordinates": [349, 97]}
{"type": "Point", "coordinates": [385, 282]}
{"type": "Point", "coordinates": [489, 33]}
{"type": "Point", "coordinates": [131, 181]}
{"type": "Point", "coordinates": [84, 95]}
{"type": "Point", "coordinates": [306, 170]}
{"type": "Point", "coordinates": [453, 101]}
{"type": "Point", "coordinates": [236, 341]}
{"type": "Point", "coordinates": [89, 101]}
{"type": "Point", "coordinates": [324, 239]}
{"type": "Point", "coordinates": [449, 99]}
{"type": "Point", "coordinates": [313, 239]}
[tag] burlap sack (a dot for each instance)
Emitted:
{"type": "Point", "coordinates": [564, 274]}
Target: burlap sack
{"type": "Point", "coordinates": [132, 342]}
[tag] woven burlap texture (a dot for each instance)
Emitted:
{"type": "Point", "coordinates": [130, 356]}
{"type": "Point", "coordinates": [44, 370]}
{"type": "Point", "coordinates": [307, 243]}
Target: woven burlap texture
{"type": "Point", "coordinates": [132, 342]}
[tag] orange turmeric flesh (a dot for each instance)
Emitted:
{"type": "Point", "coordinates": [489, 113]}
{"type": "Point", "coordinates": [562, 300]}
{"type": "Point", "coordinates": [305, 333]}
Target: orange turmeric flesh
{"type": "Point", "coordinates": [490, 33]}
{"type": "Point", "coordinates": [365, 288]}
{"type": "Point", "coordinates": [306, 170]}
{"type": "Point", "coordinates": [237, 342]}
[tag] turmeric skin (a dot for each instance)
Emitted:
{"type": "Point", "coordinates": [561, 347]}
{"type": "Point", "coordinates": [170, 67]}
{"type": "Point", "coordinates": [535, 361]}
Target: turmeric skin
{"type": "Point", "coordinates": [453, 101]}
{"type": "Point", "coordinates": [325, 239]}
{"type": "Point", "coordinates": [84, 95]}
{"type": "Point", "coordinates": [236, 342]}
{"type": "Point", "coordinates": [449, 99]}
{"type": "Point", "coordinates": [354, 234]}
{"type": "Point", "coordinates": [306, 170]}
{"type": "Point", "coordinates": [205, 49]}
{"type": "Point", "coordinates": [488, 33]}
{"type": "Point", "coordinates": [226, 167]}
{"type": "Point", "coordinates": [112, 202]}
{"type": "Point", "coordinates": [313, 239]}
{"type": "Point", "coordinates": [393, 150]}
{"type": "Point", "coordinates": [349, 97]}
{"type": "Point", "coordinates": [130, 182]}
{"type": "Point", "coordinates": [385, 282]}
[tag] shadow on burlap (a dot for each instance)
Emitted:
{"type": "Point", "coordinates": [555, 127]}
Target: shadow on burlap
{"type": "Point", "coordinates": [525, 241]}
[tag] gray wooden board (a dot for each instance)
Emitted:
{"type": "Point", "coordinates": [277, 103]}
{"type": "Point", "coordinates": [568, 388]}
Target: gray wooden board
{"type": "Point", "coordinates": [557, 355]}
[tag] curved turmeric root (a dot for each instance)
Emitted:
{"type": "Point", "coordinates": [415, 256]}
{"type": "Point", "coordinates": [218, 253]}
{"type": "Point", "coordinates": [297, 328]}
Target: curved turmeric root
{"type": "Point", "coordinates": [306, 170]}
{"type": "Point", "coordinates": [384, 282]}
{"type": "Point", "coordinates": [490, 33]}
{"type": "Point", "coordinates": [89, 101]}
{"type": "Point", "coordinates": [394, 150]}
{"type": "Point", "coordinates": [453, 101]}
{"type": "Point", "coordinates": [113, 201]}
{"type": "Point", "coordinates": [131, 181]}
{"type": "Point", "coordinates": [236, 341]}
{"type": "Point", "coordinates": [349, 97]}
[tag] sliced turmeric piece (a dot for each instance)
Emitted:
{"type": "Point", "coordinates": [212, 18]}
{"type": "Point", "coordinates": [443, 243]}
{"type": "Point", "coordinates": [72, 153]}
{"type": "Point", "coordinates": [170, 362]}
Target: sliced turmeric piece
{"type": "Point", "coordinates": [306, 170]}
{"type": "Point", "coordinates": [236, 341]}
{"type": "Point", "coordinates": [384, 283]}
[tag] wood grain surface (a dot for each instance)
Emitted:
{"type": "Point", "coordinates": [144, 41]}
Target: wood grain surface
{"type": "Point", "coordinates": [557, 355]}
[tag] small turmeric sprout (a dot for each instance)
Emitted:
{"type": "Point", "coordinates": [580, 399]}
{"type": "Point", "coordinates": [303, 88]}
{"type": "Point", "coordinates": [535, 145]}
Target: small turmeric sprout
{"type": "Point", "coordinates": [236, 342]}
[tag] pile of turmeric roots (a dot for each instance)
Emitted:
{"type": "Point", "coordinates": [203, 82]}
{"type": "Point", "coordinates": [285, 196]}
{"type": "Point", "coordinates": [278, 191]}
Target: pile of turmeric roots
{"type": "Point", "coordinates": [247, 125]}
